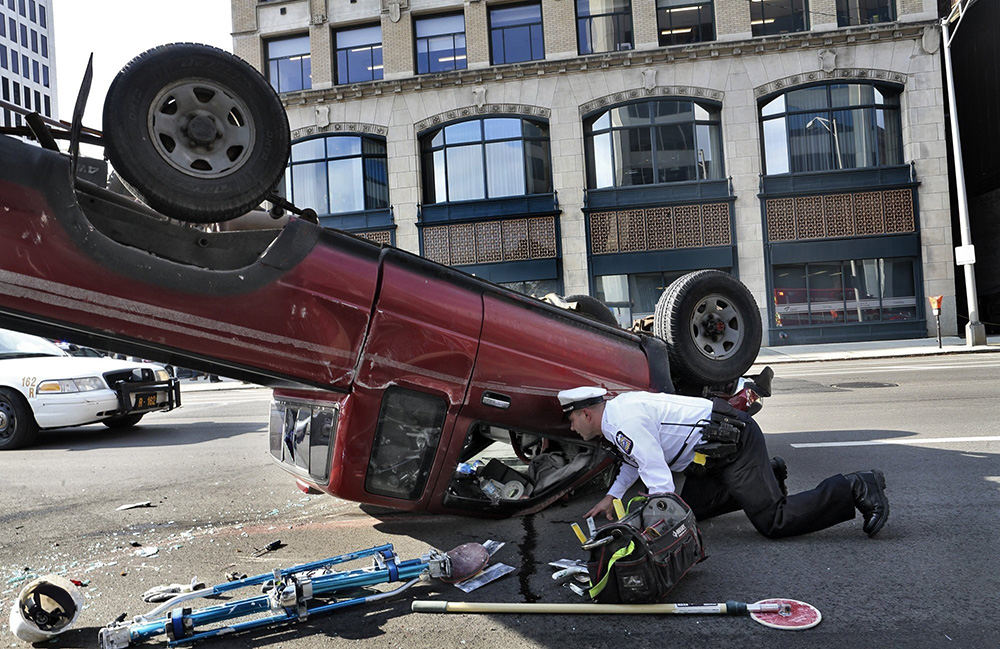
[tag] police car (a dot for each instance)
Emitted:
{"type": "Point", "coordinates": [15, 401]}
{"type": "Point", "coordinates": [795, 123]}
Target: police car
{"type": "Point", "coordinates": [42, 386]}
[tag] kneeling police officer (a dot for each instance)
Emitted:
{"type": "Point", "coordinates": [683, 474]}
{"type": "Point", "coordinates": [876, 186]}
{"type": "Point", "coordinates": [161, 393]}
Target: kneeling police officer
{"type": "Point", "coordinates": [724, 460]}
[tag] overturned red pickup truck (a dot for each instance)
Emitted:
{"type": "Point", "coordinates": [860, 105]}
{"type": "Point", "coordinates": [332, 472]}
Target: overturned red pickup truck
{"type": "Point", "coordinates": [397, 381]}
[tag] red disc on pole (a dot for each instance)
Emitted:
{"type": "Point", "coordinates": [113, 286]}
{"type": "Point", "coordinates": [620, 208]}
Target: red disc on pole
{"type": "Point", "coordinates": [797, 617]}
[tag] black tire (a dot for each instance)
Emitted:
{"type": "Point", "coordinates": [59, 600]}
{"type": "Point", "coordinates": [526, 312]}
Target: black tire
{"type": "Point", "coordinates": [711, 325]}
{"type": "Point", "coordinates": [594, 309]}
{"type": "Point", "coordinates": [17, 423]}
{"type": "Point", "coordinates": [122, 421]}
{"type": "Point", "coordinates": [196, 132]}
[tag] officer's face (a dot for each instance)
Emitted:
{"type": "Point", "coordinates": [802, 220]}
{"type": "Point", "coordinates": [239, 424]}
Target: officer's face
{"type": "Point", "coordinates": [583, 423]}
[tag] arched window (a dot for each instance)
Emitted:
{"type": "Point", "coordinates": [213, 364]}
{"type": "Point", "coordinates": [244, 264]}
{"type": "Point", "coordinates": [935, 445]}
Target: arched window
{"type": "Point", "coordinates": [336, 174]}
{"type": "Point", "coordinates": [832, 126]}
{"type": "Point", "coordinates": [654, 141]}
{"type": "Point", "coordinates": [490, 157]}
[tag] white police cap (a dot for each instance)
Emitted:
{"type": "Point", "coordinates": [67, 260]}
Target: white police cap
{"type": "Point", "coordinates": [581, 397]}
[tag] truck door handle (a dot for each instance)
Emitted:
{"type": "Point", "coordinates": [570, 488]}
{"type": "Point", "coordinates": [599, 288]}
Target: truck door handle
{"type": "Point", "coordinates": [496, 400]}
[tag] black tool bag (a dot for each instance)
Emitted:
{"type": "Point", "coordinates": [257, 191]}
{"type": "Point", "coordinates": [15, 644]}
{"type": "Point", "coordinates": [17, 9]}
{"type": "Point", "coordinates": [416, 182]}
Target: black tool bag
{"type": "Point", "coordinates": [641, 557]}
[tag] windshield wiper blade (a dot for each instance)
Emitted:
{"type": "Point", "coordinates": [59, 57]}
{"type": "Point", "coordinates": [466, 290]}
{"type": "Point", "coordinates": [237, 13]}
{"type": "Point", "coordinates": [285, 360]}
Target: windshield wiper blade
{"type": "Point", "coordinates": [24, 354]}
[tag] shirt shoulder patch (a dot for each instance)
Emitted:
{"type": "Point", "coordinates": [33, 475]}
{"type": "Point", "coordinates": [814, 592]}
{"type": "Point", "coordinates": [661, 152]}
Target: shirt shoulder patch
{"type": "Point", "coordinates": [623, 441]}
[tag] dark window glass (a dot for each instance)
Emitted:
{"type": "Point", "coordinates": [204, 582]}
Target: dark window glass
{"type": "Point", "coordinates": [48, 106]}
{"type": "Point", "coordinates": [25, 67]}
{"type": "Point", "coordinates": [338, 174]}
{"type": "Point", "coordinates": [45, 46]}
{"type": "Point", "coordinates": [20, 7]}
{"type": "Point", "coordinates": [865, 12]}
{"type": "Point", "coordinates": [34, 71]}
{"type": "Point", "coordinates": [685, 21]}
{"type": "Point", "coordinates": [17, 93]}
{"type": "Point", "coordinates": [34, 41]}
{"type": "Point", "coordinates": [359, 54]}
{"type": "Point", "coordinates": [38, 100]}
{"type": "Point", "coordinates": [440, 43]}
{"type": "Point", "coordinates": [603, 25]}
{"type": "Point", "coordinates": [15, 65]}
{"type": "Point", "coordinates": [6, 89]}
{"type": "Point", "coordinates": [31, 10]}
{"type": "Point", "coordinates": [3, 27]}
{"type": "Point", "coordinates": [491, 157]}
{"type": "Point", "coordinates": [24, 35]}
{"type": "Point", "coordinates": [516, 34]}
{"type": "Point", "coordinates": [289, 66]}
{"type": "Point", "coordinates": [3, 57]}
{"type": "Point", "coordinates": [830, 127]}
{"type": "Point", "coordinates": [12, 34]}
{"type": "Point", "coordinates": [41, 16]}
{"type": "Point", "coordinates": [777, 16]}
{"type": "Point", "coordinates": [656, 141]}
{"type": "Point", "coordinates": [854, 290]}
{"type": "Point", "coordinates": [45, 76]}
{"type": "Point", "coordinates": [406, 440]}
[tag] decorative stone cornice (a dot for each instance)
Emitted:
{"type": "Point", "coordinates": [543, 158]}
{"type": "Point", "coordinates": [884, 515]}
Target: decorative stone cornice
{"type": "Point", "coordinates": [643, 93]}
{"type": "Point", "coordinates": [712, 50]}
{"type": "Point", "coordinates": [341, 127]}
{"type": "Point", "coordinates": [838, 74]}
{"type": "Point", "coordinates": [485, 109]}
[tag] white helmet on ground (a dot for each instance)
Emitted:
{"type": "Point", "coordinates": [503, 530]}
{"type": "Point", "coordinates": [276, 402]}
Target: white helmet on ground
{"type": "Point", "coordinates": [45, 608]}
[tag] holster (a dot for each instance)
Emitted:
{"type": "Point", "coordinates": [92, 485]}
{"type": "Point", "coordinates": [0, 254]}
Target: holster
{"type": "Point", "coordinates": [639, 558]}
{"type": "Point", "coordinates": [720, 436]}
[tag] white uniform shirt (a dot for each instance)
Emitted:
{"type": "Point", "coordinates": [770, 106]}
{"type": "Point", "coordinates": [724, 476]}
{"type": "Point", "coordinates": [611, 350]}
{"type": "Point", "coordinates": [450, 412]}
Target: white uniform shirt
{"type": "Point", "coordinates": [649, 429]}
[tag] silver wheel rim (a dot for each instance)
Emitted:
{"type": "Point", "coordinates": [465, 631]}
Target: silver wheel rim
{"type": "Point", "coordinates": [6, 421]}
{"type": "Point", "coordinates": [717, 327]}
{"type": "Point", "coordinates": [201, 128]}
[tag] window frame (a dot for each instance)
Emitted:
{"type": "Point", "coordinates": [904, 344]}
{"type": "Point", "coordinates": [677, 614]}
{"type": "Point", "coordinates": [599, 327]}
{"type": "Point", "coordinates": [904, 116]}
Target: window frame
{"type": "Point", "coordinates": [369, 200]}
{"type": "Point", "coordinates": [417, 39]}
{"type": "Point", "coordinates": [304, 59]}
{"type": "Point", "coordinates": [667, 8]}
{"type": "Point", "coordinates": [428, 149]}
{"type": "Point", "coordinates": [615, 16]}
{"type": "Point", "coordinates": [371, 47]}
{"type": "Point", "coordinates": [590, 153]}
{"type": "Point", "coordinates": [758, 26]}
{"type": "Point", "coordinates": [846, 17]}
{"type": "Point", "coordinates": [829, 109]}
{"type": "Point", "coordinates": [540, 24]}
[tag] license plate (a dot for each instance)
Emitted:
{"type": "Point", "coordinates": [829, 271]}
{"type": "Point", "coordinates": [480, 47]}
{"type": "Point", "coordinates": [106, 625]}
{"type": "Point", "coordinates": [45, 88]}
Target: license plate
{"type": "Point", "coordinates": [145, 401]}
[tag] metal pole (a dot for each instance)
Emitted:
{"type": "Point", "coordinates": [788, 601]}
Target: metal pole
{"type": "Point", "coordinates": [975, 332]}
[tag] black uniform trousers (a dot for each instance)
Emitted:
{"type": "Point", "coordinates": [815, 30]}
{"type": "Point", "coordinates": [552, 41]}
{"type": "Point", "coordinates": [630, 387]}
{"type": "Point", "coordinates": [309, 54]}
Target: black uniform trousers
{"type": "Point", "coordinates": [746, 481]}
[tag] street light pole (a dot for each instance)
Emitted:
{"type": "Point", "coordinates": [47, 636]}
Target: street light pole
{"type": "Point", "coordinates": [975, 332]}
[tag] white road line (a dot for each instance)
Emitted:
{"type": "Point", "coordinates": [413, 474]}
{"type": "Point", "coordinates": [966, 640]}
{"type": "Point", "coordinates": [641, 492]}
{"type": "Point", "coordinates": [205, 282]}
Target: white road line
{"type": "Point", "coordinates": [904, 442]}
{"type": "Point", "coordinates": [886, 368]}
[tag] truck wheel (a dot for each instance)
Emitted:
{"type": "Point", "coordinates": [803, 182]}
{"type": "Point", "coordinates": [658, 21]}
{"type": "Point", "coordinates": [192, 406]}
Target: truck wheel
{"type": "Point", "coordinates": [17, 423]}
{"type": "Point", "coordinates": [711, 324]}
{"type": "Point", "coordinates": [593, 309]}
{"type": "Point", "coordinates": [122, 421]}
{"type": "Point", "coordinates": [196, 132]}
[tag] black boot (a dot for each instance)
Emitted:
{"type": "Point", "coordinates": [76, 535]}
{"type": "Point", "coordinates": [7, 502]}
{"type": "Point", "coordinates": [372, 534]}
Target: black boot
{"type": "Point", "coordinates": [868, 489]}
{"type": "Point", "coordinates": [780, 473]}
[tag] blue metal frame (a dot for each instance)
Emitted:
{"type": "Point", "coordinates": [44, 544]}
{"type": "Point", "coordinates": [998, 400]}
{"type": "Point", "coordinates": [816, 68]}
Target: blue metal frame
{"type": "Point", "coordinates": [180, 624]}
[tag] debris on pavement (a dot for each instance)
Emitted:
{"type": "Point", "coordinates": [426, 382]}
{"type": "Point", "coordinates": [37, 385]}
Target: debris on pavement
{"type": "Point", "coordinates": [144, 503]}
{"type": "Point", "coordinates": [147, 551]}
{"type": "Point", "coordinates": [169, 591]}
{"type": "Point", "coordinates": [270, 547]}
{"type": "Point", "coordinates": [494, 572]}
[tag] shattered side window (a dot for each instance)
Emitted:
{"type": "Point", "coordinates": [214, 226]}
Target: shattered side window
{"type": "Point", "coordinates": [409, 429]}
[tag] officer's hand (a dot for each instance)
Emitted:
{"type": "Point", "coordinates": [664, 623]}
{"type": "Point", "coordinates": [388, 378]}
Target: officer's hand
{"type": "Point", "coordinates": [606, 506]}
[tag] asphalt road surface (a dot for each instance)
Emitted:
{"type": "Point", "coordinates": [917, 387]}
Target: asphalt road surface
{"type": "Point", "coordinates": [930, 579]}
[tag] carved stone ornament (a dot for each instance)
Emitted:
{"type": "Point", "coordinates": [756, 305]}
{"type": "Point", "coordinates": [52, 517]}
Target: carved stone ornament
{"type": "Point", "coordinates": [930, 40]}
{"type": "Point", "coordinates": [479, 96]}
{"type": "Point", "coordinates": [394, 8]}
{"type": "Point", "coordinates": [649, 80]}
{"type": "Point", "coordinates": [322, 116]}
{"type": "Point", "coordinates": [828, 61]}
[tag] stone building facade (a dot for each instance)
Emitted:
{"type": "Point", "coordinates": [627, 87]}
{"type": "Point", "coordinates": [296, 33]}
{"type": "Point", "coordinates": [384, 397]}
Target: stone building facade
{"type": "Point", "coordinates": [810, 162]}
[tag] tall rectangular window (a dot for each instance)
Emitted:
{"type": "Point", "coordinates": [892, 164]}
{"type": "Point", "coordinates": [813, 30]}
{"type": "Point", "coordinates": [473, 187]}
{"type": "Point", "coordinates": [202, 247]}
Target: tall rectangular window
{"type": "Point", "coordinates": [685, 21]}
{"type": "Point", "coordinates": [45, 46]}
{"type": "Point", "coordinates": [359, 54]}
{"type": "Point", "coordinates": [865, 12]}
{"type": "Point", "coordinates": [769, 17]}
{"type": "Point", "coordinates": [440, 43]}
{"type": "Point", "coordinates": [31, 10]}
{"type": "Point", "coordinates": [41, 16]}
{"type": "Point", "coordinates": [289, 66]}
{"type": "Point", "coordinates": [3, 57]}
{"type": "Point", "coordinates": [603, 25]}
{"type": "Point", "coordinates": [13, 29]}
{"type": "Point", "coordinates": [516, 33]}
{"type": "Point", "coordinates": [24, 35]}
{"type": "Point", "coordinates": [34, 41]}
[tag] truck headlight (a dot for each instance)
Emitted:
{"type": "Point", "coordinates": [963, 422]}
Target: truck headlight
{"type": "Point", "coordinates": [162, 375]}
{"type": "Point", "coordinates": [65, 386]}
